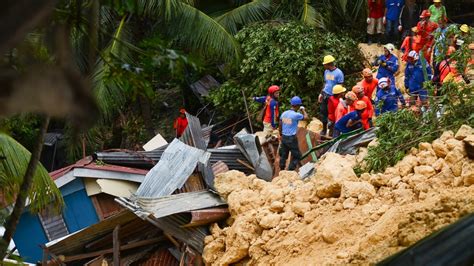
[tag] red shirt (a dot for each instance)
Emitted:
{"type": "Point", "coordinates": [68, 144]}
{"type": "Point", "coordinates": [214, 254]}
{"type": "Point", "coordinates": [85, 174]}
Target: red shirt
{"type": "Point", "coordinates": [333, 102]}
{"type": "Point", "coordinates": [425, 29]}
{"type": "Point", "coordinates": [416, 45]}
{"type": "Point", "coordinates": [180, 125]}
{"type": "Point", "coordinates": [369, 88]}
{"type": "Point", "coordinates": [376, 8]}
{"type": "Point", "coordinates": [367, 113]}
{"type": "Point", "coordinates": [343, 109]}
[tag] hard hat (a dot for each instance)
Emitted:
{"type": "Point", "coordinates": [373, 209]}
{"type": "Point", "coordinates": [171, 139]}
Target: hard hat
{"type": "Point", "coordinates": [296, 101]}
{"type": "Point", "coordinates": [414, 29]}
{"type": "Point", "coordinates": [390, 47]}
{"type": "Point", "coordinates": [357, 89]}
{"type": "Point", "coordinates": [351, 96]}
{"type": "Point", "coordinates": [425, 14]}
{"type": "Point", "coordinates": [464, 28]}
{"type": "Point", "coordinates": [338, 89]}
{"type": "Point", "coordinates": [413, 54]}
{"type": "Point", "coordinates": [459, 42]}
{"type": "Point", "coordinates": [436, 1]}
{"type": "Point", "coordinates": [360, 105]}
{"type": "Point", "coordinates": [272, 89]}
{"type": "Point", "coordinates": [328, 59]}
{"type": "Point", "coordinates": [367, 72]}
{"type": "Point", "coordinates": [182, 110]}
{"type": "Point", "coordinates": [383, 82]}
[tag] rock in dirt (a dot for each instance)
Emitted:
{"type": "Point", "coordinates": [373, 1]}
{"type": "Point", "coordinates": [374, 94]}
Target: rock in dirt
{"type": "Point", "coordinates": [463, 132]}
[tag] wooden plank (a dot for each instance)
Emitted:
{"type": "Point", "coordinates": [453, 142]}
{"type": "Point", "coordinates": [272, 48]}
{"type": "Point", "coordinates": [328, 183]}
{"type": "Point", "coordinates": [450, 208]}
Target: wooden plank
{"type": "Point", "coordinates": [110, 250]}
{"type": "Point", "coordinates": [116, 245]}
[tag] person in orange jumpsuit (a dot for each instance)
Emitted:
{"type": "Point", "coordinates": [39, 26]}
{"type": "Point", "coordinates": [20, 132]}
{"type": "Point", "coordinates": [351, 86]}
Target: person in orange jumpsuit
{"type": "Point", "coordinates": [180, 123]}
{"type": "Point", "coordinates": [411, 43]}
{"type": "Point", "coordinates": [345, 105]}
{"type": "Point", "coordinates": [369, 83]}
{"type": "Point", "coordinates": [369, 110]}
{"type": "Point", "coordinates": [426, 28]}
{"type": "Point", "coordinates": [337, 94]}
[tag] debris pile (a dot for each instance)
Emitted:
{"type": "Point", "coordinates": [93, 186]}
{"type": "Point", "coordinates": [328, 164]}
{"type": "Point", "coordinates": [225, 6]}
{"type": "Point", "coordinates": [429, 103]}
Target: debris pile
{"type": "Point", "coordinates": [335, 217]}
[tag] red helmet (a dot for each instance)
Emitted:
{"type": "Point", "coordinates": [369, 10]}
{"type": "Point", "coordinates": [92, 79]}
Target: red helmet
{"type": "Point", "coordinates": [272, 89]}
{"type": "Point", "coordinates": [182, 110]}
{"type": "Point", "coordinates": [425, 14]}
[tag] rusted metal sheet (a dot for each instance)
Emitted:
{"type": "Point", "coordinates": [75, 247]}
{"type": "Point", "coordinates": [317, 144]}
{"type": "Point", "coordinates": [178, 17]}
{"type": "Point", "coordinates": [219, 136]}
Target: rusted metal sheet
{"type": "Point", "coordinates": [219, 167]}
{"type": "Point", "coordinates": [202, 87]}
{"type": "Point", "coordinates": [307, 140]}
{"type": "Point", "coordinates": [161, 257]}
{"type": "Point", "coordinates": [195, 182]}
{"type": "Point", "coordinates": [207, 216]}
{"type": "Point", "coordinates": [193, 133]}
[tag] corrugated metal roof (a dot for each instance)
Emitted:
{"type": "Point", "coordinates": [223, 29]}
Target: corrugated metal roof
{"type": "Point", "coordinates": [177, 203]}
{"type": "Point", "coordinates": [177, 163]}
{"type": "Point", "coordinates": [161, 257]}
{"type": "Point", "coordinates": [192, 135]}
{"type": "Point", "coordinates": [51, 138]}
{"type": "Point", "coordinates": [202, 87]}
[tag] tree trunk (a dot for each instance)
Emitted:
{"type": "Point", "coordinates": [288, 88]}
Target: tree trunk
{"type": "Point", "coordinates": [12, 222]}
{"type": "Point", "coordinates": [145, 107]}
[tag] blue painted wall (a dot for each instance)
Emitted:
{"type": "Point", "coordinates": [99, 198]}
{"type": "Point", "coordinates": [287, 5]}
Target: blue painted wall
{"type": "Point", "coordinates": [28, 235]}
{"type": "Point", "coordinates": [79, 212]}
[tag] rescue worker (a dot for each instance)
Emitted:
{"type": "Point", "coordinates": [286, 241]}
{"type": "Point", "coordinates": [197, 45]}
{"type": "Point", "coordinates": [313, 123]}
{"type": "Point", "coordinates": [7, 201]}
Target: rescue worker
{"type": "Point", "coordinates": [438, 12]}
{"type": "Point", "coordinates": [369, 83]}
{"type": "Point", "coordinates": [411, 43]}
{"type": "Point", "coordinates": [333, 102]}
{"type": "Point", "coordinates": [387, 63]}
{"type": "Point", "coordinates": [346, 105]}
{"type": "Point", "coordinates": [270, 117]}
{"type": "Point", "coordinates": [387, 97]}
{"type": "Point", "coordinates": [288, 128]}
{"type": "Point", "coordinates": [369, 110]}
{"type": "Point", "coordinates": [350, 121]}
{"type": "Point", "coordinates": [464, 28]}
{"type": "Point", "coordinates": [409, 17]}
{"type": "Point", "coordinates": [375, 20]}
{"type": "Point", "coordinates": [414, 78]}
{"type": "Point", "coordinates": [332, 77]}
{"type": "Point", "coordinates": [391, 19]}
{"type": "Point", "coordinates": [180, 123]}
{"type": "Point", "coordinates": [426, 29]}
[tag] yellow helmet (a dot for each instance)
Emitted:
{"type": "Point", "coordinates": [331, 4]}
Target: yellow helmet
{"type": "Point", "coordinates": [338, 89]}
{"type": "Point", "coordinates": [464, 28]}
{"type": "Point", "coordinates": [328, 59]}
{"type": "Point", "coordinates": [436, 1]}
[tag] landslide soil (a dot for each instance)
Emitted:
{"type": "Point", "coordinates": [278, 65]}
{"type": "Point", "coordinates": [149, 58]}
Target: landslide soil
{"type": "Point", "coordinates": [335, 217]}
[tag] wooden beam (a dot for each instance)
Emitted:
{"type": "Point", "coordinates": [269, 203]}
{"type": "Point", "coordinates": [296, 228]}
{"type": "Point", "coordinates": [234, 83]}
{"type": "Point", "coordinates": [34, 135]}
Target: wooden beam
{"type": "Point", "coordinates": [110, 250]}
{"type": "Point", "coordinates": [116, 245]}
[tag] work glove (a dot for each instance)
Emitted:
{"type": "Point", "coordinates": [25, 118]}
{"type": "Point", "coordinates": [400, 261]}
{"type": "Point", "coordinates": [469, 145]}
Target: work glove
{"type": "Point", "coordinates": [320, 98]}
{"type": "Point", "coordinates": [383, 64]}
{"type": "Point", "coordinates": [384, 20]}
{"type": "Point", "coordinates": [368, 20]}
{"type": "Point", "coordinates": [301, 108]}
{"type": "Point", "coordinates": [400, 28]}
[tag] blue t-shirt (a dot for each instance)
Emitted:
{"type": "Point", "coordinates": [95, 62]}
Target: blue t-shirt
{"type": "Point", "coordinates": [341, 124]}
{"type": "Point", "coordinates": [289, 122]}
{"type": "Point", "coordinates": [394, 7]}
{"type": "Point", "coordinates": [331, 78]}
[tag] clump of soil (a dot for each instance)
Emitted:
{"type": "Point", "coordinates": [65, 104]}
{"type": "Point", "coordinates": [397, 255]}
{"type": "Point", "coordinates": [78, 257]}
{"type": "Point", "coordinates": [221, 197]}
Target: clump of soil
{"type": "Point", "coordinates": [335, 217]}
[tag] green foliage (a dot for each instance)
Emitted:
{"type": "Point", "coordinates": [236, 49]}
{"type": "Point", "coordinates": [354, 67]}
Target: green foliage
{"type": "Point", "coordinates": [13, 163]}
{"type": "Point", "coordinates": [400, 131]}
{"type": "Point", "coordinates": [289, 55]}
{"type": "Point", "coordinates": [23, 128]}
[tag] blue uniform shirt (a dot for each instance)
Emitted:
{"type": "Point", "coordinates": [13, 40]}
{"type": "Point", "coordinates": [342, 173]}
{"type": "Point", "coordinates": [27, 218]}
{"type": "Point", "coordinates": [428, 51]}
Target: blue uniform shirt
{"type": "Point", "coordinates": [414, 77]}
{"type": "Point", "coordinates": [289, 122]}
{"type": "Point", "coordinates": [341, 124]}
{"type": "Point", "coordinates": [331, 78]}
{"type": "Point", "coordinates": [394, 7]}
{"type": "Point", "coordinates": [388, 99]}
{"type": "Point", "coordinates": [389, 70]}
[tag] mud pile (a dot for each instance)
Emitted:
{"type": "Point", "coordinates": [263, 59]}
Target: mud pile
{"type": "Point", "coordinates": [335, 217]}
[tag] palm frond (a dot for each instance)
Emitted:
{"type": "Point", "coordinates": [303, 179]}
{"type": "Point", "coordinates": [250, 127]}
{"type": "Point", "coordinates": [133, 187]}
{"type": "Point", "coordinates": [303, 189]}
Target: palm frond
{"type": "Point", "coordinates": [202, 33]}
{"type": "Point", "coordinates": [253, 11]}
{"type": "Point", "coordinates": [13, 164]}
{"type": "Point", "coordinates": [310, 16]}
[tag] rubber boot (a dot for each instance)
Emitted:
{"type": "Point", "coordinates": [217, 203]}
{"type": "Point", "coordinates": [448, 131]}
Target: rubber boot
{"type": "Point", "coordinates": [369, 39]}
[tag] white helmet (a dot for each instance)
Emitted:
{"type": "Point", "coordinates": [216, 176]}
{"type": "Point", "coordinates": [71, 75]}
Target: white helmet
{"type": "Point", "coordinates": [390, 47]}
{"type": "Point", "coordinates": [413, 54]}
{"type": "Point", "coordinates": [383, 82]}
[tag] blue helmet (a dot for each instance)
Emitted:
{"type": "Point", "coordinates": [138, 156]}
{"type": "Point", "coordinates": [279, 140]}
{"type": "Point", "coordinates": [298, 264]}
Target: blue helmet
{"type": "Point", "coordinates": [296, 101]}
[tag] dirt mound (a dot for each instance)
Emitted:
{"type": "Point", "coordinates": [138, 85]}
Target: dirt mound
{"type": "Point", "coordinates": [335, 217]}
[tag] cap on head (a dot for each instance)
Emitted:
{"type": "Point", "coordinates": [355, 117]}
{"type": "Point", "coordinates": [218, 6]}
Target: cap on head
{"type": "Point", "coordinates": [182, 111]}
{"type": "Point", "coordinates": [351, 96]}
{"type": "Point", "coordinates": [425, 14]}
{"type": "Point", "coordinates": [436, 1]}
{"type": "Point", "coordinates": [360, 105]}
{"type": "Point", "coordinates": [338, 89]}
{"type": "Point", "coordinates": [413, 54]}
{"type": "Point", "coordinates": [383, 82]}
{"type": "Point", "coordinates": [357, 89]}
{"type": "Point", "coordinates": [272, 89]}
{"type": "Point", "coordinates": [296, 101]}
{"type": "Point", "coordinates": [390, 47]}
{"type": "Point", "coordinates": [464, 28]}
{"type": "Point", "coordinates": [367, 72]}
{"type": "Point", "coordinates": [328, 59]}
